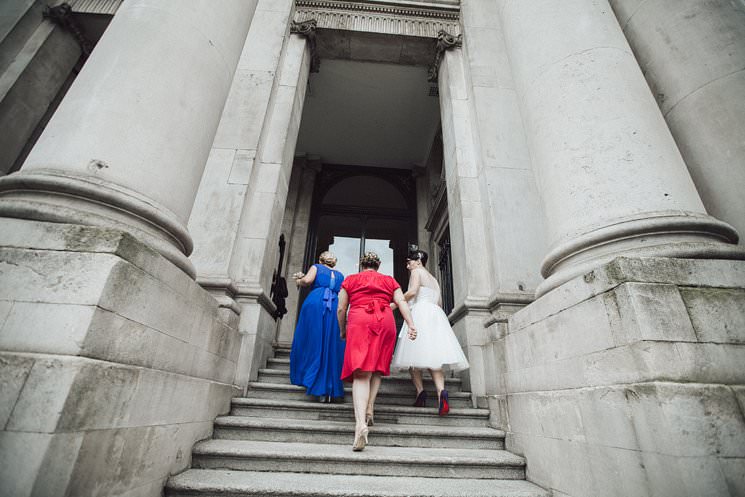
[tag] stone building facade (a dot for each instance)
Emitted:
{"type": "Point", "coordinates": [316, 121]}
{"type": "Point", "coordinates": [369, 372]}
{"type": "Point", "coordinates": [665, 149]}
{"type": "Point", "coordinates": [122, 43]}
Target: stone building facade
{"type": "Point", "coordinates": [575, 168]}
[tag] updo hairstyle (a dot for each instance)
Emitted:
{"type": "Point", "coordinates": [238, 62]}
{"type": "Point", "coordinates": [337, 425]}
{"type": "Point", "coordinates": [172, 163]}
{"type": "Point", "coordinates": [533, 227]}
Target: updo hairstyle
{"type": "Point", "coordinates": [327, 258]}
{"type": "Point", "coordinates": [418, 255]}
{"type": "Point", "coordinates": [370, 261]}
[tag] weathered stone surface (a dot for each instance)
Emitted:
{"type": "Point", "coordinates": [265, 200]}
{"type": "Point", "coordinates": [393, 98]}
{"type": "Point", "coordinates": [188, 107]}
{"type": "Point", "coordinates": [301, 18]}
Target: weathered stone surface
{"type": "Point", "coordinates": [634, 373]}
{"type": "Point", "coordinates": [717, 314]}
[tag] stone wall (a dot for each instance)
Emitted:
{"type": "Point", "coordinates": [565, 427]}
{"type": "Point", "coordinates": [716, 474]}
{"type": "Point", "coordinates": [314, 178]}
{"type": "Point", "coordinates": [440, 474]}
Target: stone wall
{"type": "Point", "coordinates": [113, 362]}
{"type": "Point", "coordinates": [629, 381]}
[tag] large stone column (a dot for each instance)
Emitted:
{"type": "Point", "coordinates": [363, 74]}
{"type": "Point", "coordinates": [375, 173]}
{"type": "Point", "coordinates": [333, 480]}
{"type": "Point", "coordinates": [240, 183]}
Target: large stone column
{"type": "Point", "coordinates": [113, 360]}
{"type": "Point", "coordinates": [693, 56]}
{"type": "Point", "coordinates": [625, 379]}
{"type": "Point", "coordinates": [128, 144]}
{"type": "Point", "coordinates": [609, 173]}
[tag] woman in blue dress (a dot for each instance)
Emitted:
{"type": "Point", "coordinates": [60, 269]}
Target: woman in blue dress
{"type": "Point", "coordinates": [317, 352]}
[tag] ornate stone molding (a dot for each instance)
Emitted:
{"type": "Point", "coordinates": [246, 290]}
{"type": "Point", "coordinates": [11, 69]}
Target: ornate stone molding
{"type": "Point", "coordinates": [61, 15]}
{"type": "Point", "coordinates": [404, 18]}
{"type": "Point", "coordinates": [307, 28]}
{"type": "Point", "coordinates": [95, 6]}
{"type": "Point", "coordinates": [445, 41]}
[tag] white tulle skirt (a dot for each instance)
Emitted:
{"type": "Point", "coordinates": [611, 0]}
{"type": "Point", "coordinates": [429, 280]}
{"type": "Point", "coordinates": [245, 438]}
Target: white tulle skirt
{"type": "Point", "coordinates": [435, 346]}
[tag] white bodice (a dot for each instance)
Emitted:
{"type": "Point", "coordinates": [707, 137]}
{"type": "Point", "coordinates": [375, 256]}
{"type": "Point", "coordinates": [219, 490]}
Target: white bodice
{"type": "Point", "coordinates": [426, 294]}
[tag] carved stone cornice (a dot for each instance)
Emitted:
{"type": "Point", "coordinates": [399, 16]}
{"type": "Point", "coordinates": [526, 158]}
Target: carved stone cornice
{"type": "Point", "coordinates": [108, 7]}
{"type": "Point", "coordinates": [307, 28]}
{"type": "Point", "coordinates": [404, 18]}
{"type": "Point", "coordinates": [445, 41]}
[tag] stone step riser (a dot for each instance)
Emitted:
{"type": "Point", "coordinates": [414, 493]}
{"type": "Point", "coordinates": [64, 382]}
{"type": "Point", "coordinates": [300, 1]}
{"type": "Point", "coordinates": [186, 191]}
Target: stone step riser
{"type": "Point", "coordinates": [337, 438]}
{"type": "Point", "coordinates": [283, 366]}
{"type": "Point", "coordinates": [353, 467]}
{"type": "Point", "coordinates": [410, 419]}
{"type": "Point", "coordinates": [384, 398]}
{"type": "Point", "coordinates": [402, 386]}
{"type": "Point", "coordinates": [213, 483]}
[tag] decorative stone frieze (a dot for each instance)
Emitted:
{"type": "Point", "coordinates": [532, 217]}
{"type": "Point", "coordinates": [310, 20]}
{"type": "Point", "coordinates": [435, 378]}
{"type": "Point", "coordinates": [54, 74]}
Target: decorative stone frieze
{"type": "Point", "coordinates": [95, 6]}
{"type": "Point", "coordinates": [426, 21]}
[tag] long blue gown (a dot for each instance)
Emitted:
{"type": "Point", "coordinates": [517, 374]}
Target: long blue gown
{"type": "Point", "coordinates": [317, 352]}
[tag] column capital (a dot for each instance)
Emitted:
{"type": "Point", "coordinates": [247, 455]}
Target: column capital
{"type": "Point", "coordinates": [445, 41]}
{"type": "Point", "coordinates": [308, 30]}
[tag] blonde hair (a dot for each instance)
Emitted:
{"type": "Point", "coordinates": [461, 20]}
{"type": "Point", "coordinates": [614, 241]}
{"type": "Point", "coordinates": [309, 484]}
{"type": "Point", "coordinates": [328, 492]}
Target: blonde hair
{"type": "Point", "coordinates": [370, 260]}
{"type": "Point", "coordinates": [327, 258]}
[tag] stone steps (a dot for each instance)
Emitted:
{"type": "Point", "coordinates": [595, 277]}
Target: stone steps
{"type": "Point", "coordinates": [260, 390]}
{"type": "Point", "coordinates": [278, 442]}
{"type": "Point", "coordinates": [342, 433]}
{"type": "Point", "coordinates": [296, 409]}
{"type": "Point", "coordinates": [375, 460]}
{"type": "Point", "coordinates": [395, 382]}
{"type": "Point", "coordinates": [208, 483]}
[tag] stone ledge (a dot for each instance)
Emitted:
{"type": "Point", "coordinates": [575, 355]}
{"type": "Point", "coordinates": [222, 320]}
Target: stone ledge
{"type": "Point", "coordinates": [713, 273]}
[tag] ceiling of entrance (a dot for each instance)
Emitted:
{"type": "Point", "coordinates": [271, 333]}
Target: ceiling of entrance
{"type": "Point", "coordinates": [369, 114]}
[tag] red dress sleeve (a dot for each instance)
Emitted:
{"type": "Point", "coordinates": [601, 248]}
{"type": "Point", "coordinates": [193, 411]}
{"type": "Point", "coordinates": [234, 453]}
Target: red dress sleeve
{"type": "Point", "coordinates": [393, 285]}
{"type": "Point", "coordinates": [347, 283]}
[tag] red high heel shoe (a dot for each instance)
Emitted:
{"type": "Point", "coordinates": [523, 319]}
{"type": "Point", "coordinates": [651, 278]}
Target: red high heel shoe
{"type": "Point", "coordinates": [444, 405]}
{"type": "Point", "coordinates": [421, 399]}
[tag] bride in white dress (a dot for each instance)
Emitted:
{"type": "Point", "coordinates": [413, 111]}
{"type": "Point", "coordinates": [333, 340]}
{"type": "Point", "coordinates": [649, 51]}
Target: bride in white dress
{"type": "Point", "coordinates": [436, 347]}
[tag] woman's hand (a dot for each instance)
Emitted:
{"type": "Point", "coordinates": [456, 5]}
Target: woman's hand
{"type": "Point", "coordinates": [305, 279]}
{"type": "Point", "coordinates": [412, 333]}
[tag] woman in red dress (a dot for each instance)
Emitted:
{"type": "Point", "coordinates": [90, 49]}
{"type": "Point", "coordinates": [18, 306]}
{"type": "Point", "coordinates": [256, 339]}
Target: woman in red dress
{"type": "Point", "coordinates": [371, 335]}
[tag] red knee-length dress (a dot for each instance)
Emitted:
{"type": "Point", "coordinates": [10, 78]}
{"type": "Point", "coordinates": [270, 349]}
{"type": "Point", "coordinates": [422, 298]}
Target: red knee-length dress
{"type": "Point", "coordinates": [371, 329]}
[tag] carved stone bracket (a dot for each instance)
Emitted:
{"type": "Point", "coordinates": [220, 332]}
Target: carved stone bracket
{"type": "Point", "coordinates": [445, 41]}
{"type": "Point", "coordinates": [307, 28]}
{"type": "Point", "coordinates": [61, 15]}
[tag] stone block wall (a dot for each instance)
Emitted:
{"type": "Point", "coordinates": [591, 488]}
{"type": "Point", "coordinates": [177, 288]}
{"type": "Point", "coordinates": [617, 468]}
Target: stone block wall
{"type": "Point", "coordinates": [113, 362]}
{"type": "Point", "coordinates": [629, 381]}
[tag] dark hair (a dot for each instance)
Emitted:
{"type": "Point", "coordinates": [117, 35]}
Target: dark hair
{"type": "Point", "coordinates": [418, 255]}
{"type": "Point", "coordinates": [370, 261]}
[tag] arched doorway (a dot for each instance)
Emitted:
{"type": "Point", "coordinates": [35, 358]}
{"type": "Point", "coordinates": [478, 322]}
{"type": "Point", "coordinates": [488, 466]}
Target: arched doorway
{"type": "Point", "coordinates": [356, 209]}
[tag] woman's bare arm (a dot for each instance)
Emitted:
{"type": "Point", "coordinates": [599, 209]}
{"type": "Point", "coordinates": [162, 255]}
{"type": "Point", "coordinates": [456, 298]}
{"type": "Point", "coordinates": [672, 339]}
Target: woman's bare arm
{"type": "Point", "coordinates": [415, 281]}
{"type": "Point", "coordinates": [341, 313]}
{"type": "Point", "coordinates": [398, 298]}
{"type": "Point", "coordinates": [308, 278]}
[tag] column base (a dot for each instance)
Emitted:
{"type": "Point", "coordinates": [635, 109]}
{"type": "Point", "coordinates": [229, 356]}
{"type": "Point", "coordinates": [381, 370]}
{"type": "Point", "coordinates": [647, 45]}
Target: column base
{"type": "Point", "coordinates": [664, 234]}
{"type": "Point", "coordinates": [633, 374]}
{"type": "Point", "coordinates": [95, 326]}
{"type": "Point", "coordinates": [51, 196]}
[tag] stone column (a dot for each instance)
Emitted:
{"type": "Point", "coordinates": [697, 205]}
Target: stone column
{"type": "Point", "coordinates": [261, 218]}
{"type": "Point", "coordinates": [693, 56]}
{"type": "Point", "coordinates": [128, 144]}
{"type": "Point", "coordinates": [224, 188]}
{"type": "Point", "coordinates": [610, 176]}
{"type": "Point", "coordinates": [470, 237]}
{"type": "Point", "coordinates": [299, 225]}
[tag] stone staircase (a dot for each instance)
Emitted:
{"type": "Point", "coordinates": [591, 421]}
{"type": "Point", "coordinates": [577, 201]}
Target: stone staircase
{"type": "Point", "coordinates": [278, 442]}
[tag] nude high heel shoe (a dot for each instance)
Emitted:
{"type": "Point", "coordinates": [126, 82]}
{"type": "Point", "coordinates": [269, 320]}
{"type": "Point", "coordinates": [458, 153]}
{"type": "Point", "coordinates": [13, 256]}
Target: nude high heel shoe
{"type": "Point", "coordinates": [360, 440]}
